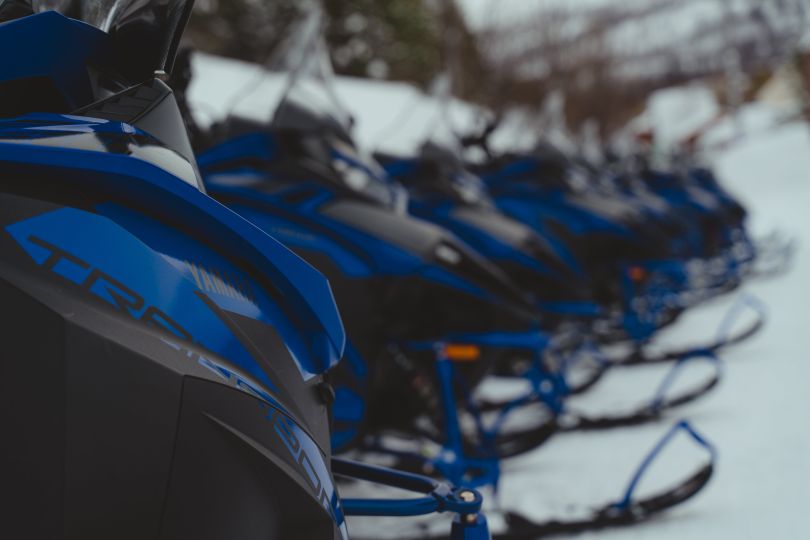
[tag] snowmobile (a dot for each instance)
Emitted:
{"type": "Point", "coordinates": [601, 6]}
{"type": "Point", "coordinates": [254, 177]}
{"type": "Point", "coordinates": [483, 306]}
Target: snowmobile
{"type": "Point", "coordinates": [729, 252]}
{"type": "Point", "coordinates": [703, 219]}
{"type": "Point", "coordinates": [609, 239]}
{"type": "Point", "coordinates": [425, 314]}
{"type": "Point", "coordinates": [633, 242]}
{"type": "Point", "coordinates": [706, 224]}
{"type": "Point", "coordinates": [167, 362]}
{"type": "Point", "coordinates": [441, 190]}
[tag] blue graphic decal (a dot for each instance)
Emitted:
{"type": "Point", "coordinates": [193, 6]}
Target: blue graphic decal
{"type": "Point", "coordinates": [215, 276]}
{"type": "Point", "coordinates": [118, 169]}
{"type": "Point", "coordinates": [298, 237]}
{"type": "Point", "coordinates": [106, 260]}
{"type": "Point", "coordinates": [251, 146]}
{"type": "Point", "coordinates": [303, 450]}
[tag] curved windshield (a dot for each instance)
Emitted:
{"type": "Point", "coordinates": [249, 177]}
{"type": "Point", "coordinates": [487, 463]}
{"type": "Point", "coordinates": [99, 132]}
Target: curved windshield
{"type": "Point", "coordinates": [303, 99]}
{"type": "Point", "coordinates": [99, 13]}
{"type": "Point", "coordinates": [554, 167]}
{"type": "Point", "coordinates": [294, 94]}
{"type": "Point", "coordinates": [439, 131]}
{"type": "Point", "coordinates": [310, 80]}
{"type": "Point", "coordinates": [147, 32]}
{"type": "Point", "coordinates": [442, 146]}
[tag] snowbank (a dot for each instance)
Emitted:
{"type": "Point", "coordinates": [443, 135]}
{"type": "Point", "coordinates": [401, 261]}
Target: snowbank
{"type": "Point", "coordinates": [389, 116]}
{"type": "Point", "coordinates": [677, 113]}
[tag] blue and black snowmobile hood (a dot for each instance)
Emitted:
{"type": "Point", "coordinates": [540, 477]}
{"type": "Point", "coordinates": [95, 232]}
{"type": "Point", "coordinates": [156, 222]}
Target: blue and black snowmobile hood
{"type": "Point", "coordinates": [443, 191]}
{"type": "Point", "coordinates": [196, 295]}
{"type": "Point", "coordinates": [544, 175]}
{"type": "Point", "coordinates": [535, 189]}
{"type": "Point", "coordinates": [141, 38]}
{"type": "Point", "coordinates": [44, 142]}
{"type": "Point", "coordinates": [156, 302]}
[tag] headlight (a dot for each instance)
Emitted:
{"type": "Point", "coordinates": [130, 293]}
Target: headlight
{"type": "Point", "coordinates": [356, 178]}
{"type": "Point", "coordinates": [448, 254]}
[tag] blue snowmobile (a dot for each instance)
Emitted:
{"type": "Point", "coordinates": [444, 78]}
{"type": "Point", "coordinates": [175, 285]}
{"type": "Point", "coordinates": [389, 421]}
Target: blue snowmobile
{"type": "Point", "coordinates": [441, 190]}
{"type": "Point", "coordinates": [167, 362]}
{"type": "Point", "coordinates": [633, 242]}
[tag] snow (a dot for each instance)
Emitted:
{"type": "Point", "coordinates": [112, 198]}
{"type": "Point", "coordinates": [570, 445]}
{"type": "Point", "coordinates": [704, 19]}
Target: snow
{"type": "Point", "coordinates": [396, 118]}
{"type": "Point", "coordinates": [222, 85]}
{"type": "Point", "coordinates": [679, 112]}
{"type": "Point", "coordinates": [759, 417]}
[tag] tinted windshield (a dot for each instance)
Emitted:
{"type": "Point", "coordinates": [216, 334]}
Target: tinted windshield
{"type": "Point", "coordinates": [439, 130]}
{"type": "Point", "coordinates": [308, 102]}
{"type": "Point", "coordinates": [442, 146]}
{"type": "Point", "coordinates": [146, 32]}
{"type": "Point", "coordinates": [100, 13]}
{"type": "Point", "coordinates": [294, 94]}
{"type": "Point", "coordinates": [310, 80]}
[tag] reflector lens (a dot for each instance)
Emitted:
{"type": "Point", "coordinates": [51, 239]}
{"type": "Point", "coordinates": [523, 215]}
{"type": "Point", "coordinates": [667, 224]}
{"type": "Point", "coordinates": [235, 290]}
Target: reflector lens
{"type": "Point", "coordinates": [462, 353]}
{"type": "Point", "coordinates": [637, 273]}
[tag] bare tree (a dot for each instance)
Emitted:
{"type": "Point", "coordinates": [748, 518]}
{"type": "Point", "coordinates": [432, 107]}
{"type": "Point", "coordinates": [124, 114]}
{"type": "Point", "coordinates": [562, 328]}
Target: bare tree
{"type": "Point", "coordinates": [607, 60]}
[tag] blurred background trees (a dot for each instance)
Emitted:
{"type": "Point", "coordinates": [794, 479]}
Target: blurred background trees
{"type": "Point", "coordinates": [599, 61]}
{"type": "Point", "coordinates": [386, 39]}
{"type": "Point", "coordinates": [608, 58]}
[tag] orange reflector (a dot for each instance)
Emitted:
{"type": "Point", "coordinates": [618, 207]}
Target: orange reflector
{"type": "Point", "coordinates": [636, 273]}
{"type": "Point", "coordinates": [462, 353]}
